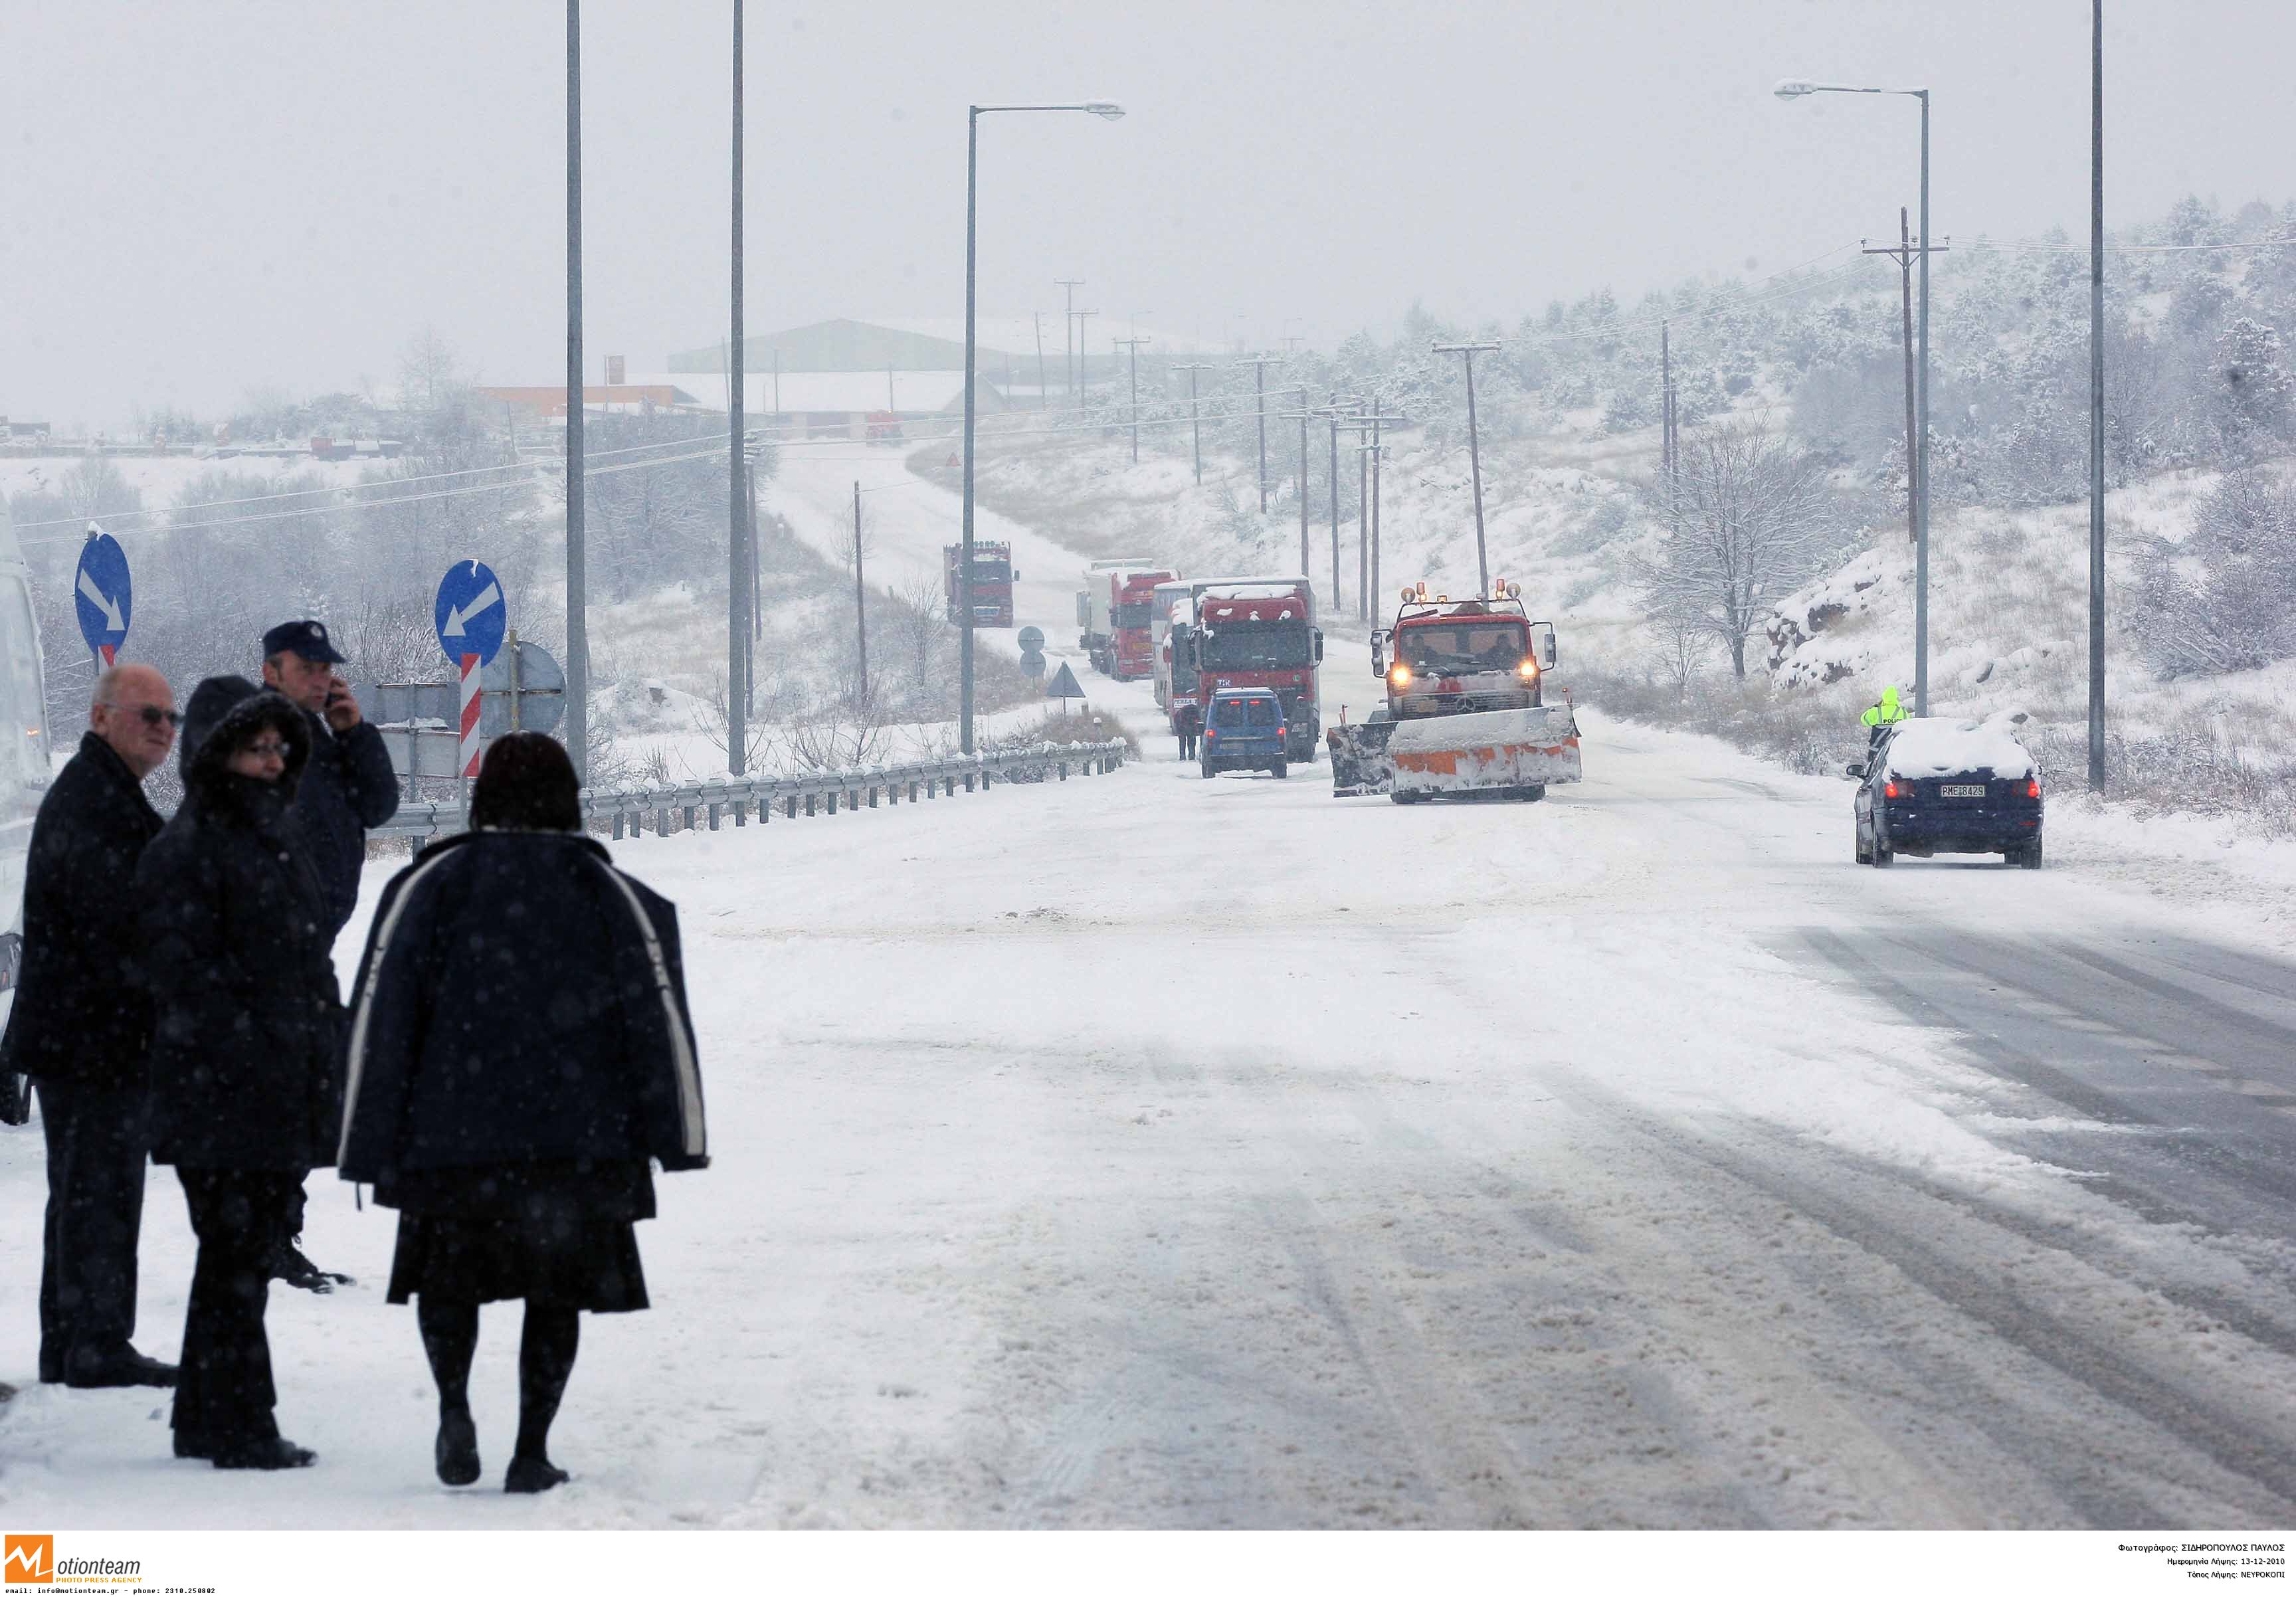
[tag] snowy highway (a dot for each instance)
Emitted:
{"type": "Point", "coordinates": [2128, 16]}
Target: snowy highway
{"type": "Point", "coordinates": [1145, 1151]}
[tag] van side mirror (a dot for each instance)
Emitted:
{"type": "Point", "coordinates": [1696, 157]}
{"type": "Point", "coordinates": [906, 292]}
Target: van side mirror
{"type": "Point", "coordinates": [1546, 651]}
{"type": "Point", "coordinates": [1016, 574]}
{"type": "Point", "coordinates": [1855, 771]}
{"type": "Point", "coordinates": [1319, 646]}
{"type": "Point", "coordinates": [1084, 610]}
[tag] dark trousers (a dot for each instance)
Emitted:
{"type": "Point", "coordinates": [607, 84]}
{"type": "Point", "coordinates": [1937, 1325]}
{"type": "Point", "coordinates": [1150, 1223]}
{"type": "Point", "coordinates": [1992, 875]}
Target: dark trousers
{"type": "Point", "coordinates": [96, 1150]}
{"type": "Point", "coordinates": [224, 1393]}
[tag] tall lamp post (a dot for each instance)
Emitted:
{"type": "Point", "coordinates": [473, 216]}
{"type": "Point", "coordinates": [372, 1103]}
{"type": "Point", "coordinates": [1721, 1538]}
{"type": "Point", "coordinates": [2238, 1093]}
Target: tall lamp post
{"type": "Point", "coordinates": [1474, 456]}
{"type": "Point", "coordinates": [1794, 88]}
{"type": "Point", "coordinates": [2097, 402]}
{"type": "Point", "coordinates": [737, 497]}
{"type": "Point", "coordinates": [1108, 112]}
{"type": "Point", "coordinates": [578, 595]}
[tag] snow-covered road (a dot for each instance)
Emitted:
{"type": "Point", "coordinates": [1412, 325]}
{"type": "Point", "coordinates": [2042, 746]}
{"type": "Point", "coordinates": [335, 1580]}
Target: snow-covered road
{"type": "Point", "coordinates": [1146, 1151]}
{"type": "Point", "coordinates": [1154, 1151]}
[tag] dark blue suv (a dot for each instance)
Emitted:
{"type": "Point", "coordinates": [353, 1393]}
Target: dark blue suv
{"type": "Point", "coordinates": [1244, 729]}
{"type": "Point", "coordinates": [1933, 786]}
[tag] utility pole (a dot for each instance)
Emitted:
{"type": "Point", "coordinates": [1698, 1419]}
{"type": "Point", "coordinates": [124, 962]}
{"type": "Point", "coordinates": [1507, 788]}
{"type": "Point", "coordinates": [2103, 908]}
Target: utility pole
{"type": "Point", "coordinates": [1474, 456]}
{"type": "Point", "coordinates": [777, 380]}
{"type": "Point", "coordinates": [860, 598]}
{"type": "Point", "coordinates": [891, 405]}
{"type": "Point", "coordinates": [1068, 286]}
{"type": "Point", "coordinates": [1903, 254]}
{"type": "Point", "coordinates": [2096, 399]}
{"type": "Point", "coordinates": [1303, 415]}
{"type": "Point", "coordinates": [1333, 412]}
{"type": "Point", "coordinates": [1044, 389]}
{"type": "Point", "coordinates": [1195, 427]}
{"type": "Point", "coordinates": [1367, 456]}
{"type": "Point", "coordinates": [578, 620]}
{"type": "Point", "coordinates": [737, 495]}
{"type": "Point", "coordinates": [1258, 365]}
{"type": "Point", "coordinates": [1083, 355]}
{"type": "Point", "coordinates": [1132, 344]}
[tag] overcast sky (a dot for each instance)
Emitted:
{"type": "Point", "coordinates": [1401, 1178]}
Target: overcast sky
{"type": "Point", "coordinates": [202, 199]}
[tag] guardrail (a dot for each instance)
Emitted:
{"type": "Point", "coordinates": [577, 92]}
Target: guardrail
{"type": "Point", "coordinates": [687, 806]}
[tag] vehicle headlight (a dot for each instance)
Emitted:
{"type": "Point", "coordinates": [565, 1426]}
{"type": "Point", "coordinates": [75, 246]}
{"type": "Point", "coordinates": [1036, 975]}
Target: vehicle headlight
{"type": "Point", "coordinates": [1529, 669]}
{"type": "Point", "coordinates": [1399, 676]}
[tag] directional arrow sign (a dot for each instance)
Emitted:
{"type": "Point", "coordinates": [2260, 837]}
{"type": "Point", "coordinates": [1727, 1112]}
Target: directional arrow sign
{"type": "Point", "coordinates": [470, 612]}
{"type": "Point", "coordinates": [101, 594]}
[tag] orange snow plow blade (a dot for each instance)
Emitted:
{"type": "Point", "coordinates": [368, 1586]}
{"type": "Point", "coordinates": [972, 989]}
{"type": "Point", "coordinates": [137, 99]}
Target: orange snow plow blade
{"type": "Point", "coordinates": [1513, 752]}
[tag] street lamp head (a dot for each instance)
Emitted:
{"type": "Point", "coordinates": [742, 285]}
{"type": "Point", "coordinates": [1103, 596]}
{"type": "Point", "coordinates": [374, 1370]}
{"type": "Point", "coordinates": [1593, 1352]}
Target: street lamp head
{"type": "Point", "coordinates": [1105, 109]}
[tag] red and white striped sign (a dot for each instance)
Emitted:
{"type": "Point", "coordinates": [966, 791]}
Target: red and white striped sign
{"type": "Point", "coordinates": [472, 746]}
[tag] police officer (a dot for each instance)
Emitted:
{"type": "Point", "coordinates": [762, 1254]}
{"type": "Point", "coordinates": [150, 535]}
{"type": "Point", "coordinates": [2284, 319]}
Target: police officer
{"type": "Point", "coordinates": [348, 786]}
{"type": "Point", "coordinates": [1889, 712]}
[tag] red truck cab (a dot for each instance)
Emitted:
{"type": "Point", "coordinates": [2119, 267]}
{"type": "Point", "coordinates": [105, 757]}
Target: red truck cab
{"type": "Point", "coordinates": [1262, 635]}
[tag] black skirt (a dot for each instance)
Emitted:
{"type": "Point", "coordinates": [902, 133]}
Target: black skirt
{"type": "Point", "coordinates": [559, 1234]}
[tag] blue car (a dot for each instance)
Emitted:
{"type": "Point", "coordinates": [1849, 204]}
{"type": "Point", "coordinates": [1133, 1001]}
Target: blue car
{"type": "Point", "coordinates": [1934, 786]}
{"type": "Point", "coordinates": [1244, 730]}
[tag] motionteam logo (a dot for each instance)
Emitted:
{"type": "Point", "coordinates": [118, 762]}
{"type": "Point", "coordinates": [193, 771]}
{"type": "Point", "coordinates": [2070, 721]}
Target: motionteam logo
{"type": "Point", "coordinates": [31, 1561]}
{"type": "Point", "coordinates": [28, 1560]}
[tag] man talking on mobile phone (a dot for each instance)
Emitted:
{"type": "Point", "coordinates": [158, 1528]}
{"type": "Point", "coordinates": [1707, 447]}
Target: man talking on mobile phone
{"type": "Point", "coordinates": [348, 786]}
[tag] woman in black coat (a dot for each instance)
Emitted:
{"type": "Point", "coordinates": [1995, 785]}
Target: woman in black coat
{"type": "Point", "coordinates": [520, 1050]}
{"type": "Point", "coordinates": [245, 1036]}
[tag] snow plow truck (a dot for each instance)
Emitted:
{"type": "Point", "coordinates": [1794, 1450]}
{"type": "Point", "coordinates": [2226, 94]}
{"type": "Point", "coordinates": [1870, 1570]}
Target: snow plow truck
{"type": "Point", "coordinates": [1466, 712]}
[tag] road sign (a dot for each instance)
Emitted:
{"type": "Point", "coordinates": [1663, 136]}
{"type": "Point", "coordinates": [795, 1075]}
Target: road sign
{"type": "Point", "coordinates": [1032, 662]}
{"type": "Point", "coordinates": [101, 594]}
{"type": "Point", "coordinates": [1031, 640]}
{"type": "Point", "coordinates": [1063, 684]}
{"type": "Point", "coordinates": [541, 691]}
{"type": "Point", "coordinates": [470, 612]}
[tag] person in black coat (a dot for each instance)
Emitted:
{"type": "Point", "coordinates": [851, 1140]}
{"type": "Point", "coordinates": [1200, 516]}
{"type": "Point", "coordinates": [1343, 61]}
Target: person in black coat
{"type": "Point", "coordinates": [82, 1030]}
{"type": "Point", "coordinates": [245, 1089]}
{"type": "Point", "coordinates": [520, 1049]}
{"type": "Point", "coordinates": [348, 787]}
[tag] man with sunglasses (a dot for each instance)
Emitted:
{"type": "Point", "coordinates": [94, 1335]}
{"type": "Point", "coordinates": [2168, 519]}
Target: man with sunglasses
{"type": "Point", "coordinates": [82, 1030]}
{"type": "Point", "coordinates": [349, 786]}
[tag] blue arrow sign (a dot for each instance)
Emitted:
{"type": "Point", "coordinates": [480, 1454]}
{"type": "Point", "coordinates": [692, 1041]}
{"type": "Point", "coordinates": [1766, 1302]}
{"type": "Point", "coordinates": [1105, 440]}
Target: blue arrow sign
{"type": "Point", "coordinates": [102, 594]}
{"type": "Point", "coordinates": [470, 612]}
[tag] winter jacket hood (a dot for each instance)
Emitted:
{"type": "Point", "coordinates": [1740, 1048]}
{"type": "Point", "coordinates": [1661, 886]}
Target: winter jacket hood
{"type": "Point", "coordinates": [224, 713]}
{"type": "Point", "coordinates": [521, 1000]}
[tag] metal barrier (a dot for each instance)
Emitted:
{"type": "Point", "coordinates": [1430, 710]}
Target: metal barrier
{"type": "Point", "coordinates": [687, 806]}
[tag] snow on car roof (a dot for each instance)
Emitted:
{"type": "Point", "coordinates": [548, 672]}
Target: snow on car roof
{"type": "Point", "coordinates": [1933, 746]}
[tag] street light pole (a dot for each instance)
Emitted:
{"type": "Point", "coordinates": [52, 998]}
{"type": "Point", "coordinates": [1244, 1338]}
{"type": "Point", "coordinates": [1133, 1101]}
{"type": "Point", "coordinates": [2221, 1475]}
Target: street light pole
{"type": "Point", "coordinates": [2096, 400]}
{"type": "Point", "coordinates": [1474, 457]}
{"type": "Point", "coordinates": [578, 596]}
{"type": "Point", "coordinates": [1068, 286]}
{"type": "Point", "coordinates": [973, 114]}
{"type": "Point", "coordinates": [737, 498]}
{"type": "Point", "coordinates": [1794, 88]}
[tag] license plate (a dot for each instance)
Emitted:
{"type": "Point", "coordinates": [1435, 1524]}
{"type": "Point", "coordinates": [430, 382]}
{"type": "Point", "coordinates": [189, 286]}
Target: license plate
{"type": "Point", "coordinates": [1962, 789]}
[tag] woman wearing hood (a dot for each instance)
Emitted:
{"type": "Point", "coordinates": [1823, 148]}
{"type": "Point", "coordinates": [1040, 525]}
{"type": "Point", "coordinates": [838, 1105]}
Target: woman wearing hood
{"type": "Point", "coordinates": [513, 1128]}
{"type": "Point", "coordinates": [247, 1026]}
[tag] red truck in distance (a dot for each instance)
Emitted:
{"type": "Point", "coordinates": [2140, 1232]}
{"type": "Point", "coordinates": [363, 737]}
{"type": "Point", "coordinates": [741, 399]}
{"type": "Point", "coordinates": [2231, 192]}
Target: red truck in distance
{"type": "Point", "coordinates": [993, 577]}
{"type": "Point", "coordinates": [1261, 632]}
{"type": "Point", "coordinates": [1115, 611]}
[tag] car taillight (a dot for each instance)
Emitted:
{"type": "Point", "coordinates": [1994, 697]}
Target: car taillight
{"type": "Point", "coordinates": [1890, 791]}
{"type": "Point", "coordinates": [1212, 731]}
{"type": "Point", "coordinates": [2033, 789]}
